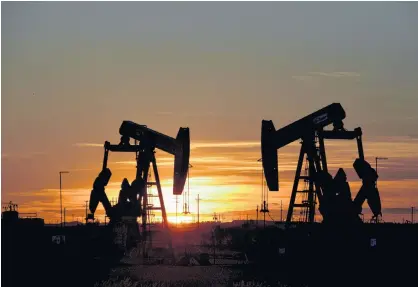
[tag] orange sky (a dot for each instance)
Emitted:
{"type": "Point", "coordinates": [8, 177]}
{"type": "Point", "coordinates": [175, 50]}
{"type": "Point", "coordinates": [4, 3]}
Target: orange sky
{"type": "Point", "coordinates": [227, 177]}
{"type": "Point", "coordinates": [71, 72]}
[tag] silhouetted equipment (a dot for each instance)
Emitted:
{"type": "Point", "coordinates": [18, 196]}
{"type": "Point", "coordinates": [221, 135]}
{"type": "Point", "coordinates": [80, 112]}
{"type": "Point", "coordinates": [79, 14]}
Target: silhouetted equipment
{"type": "Point", "coordinates": [10, 212]}
{"type": "Point", "coordinates": [186, 195]}
{"type": "Point", "coordinates": [133, 198]}
{"type": "Point", "coordinates": [86, 211]}
{"type": "Point", "coordinates": [177, 201]}
{"type": "Point", "coordinates": [61, 172]}
{"type": "Point", "coordinates": [264, 209]}
{"type": "Point", "coordinates": [198, 199]}
{"type": "Point", "coordinates": [11, 216]}
{"type": "Point", "coordinates": [215, 217]}
{"type": "Point", "coordinates": [256, 221]}
{"type": "Point", "coordinates": [368, 190]}
{"type": "Point", "coordinates": [334, 196]}
{"type": "Point", "coordinates": [179, 147]}
{"type": "Point", "coordinates": [90, 218]}
{"type": "Point", "coordinates": [264, 196]}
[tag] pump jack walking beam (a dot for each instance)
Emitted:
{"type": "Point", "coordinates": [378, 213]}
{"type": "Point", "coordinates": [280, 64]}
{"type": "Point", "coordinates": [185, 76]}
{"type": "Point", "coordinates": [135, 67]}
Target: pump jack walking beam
{"type": "Point", "coordinates": [179, 147]}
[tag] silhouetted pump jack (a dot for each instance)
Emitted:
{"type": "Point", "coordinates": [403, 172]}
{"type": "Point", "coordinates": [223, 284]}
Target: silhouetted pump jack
{"type": "Point", "coordinates": [133, 199]}
{"type": "Point", "coordinates": [334, 196]}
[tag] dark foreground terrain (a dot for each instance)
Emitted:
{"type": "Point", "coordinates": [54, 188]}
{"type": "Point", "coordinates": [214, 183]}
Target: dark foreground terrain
{"type": "Point", "coordinates": [30, 258]}
{"type": "Point", "coordinates": [305, 255]}
{"type": "Point", "coordinates": [316, 255]}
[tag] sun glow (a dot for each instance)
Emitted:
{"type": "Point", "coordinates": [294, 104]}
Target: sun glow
{"type": "Point", "coordinates": [181, 219]}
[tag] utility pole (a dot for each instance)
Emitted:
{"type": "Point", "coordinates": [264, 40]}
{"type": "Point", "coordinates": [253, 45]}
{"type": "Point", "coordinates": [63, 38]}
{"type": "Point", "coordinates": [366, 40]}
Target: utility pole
{"type": "Point", "coordinates": [264, 215]}
{"type": "Point", "coordinates": [256, 222]}
{"type": "Point", "coordinates": [188, 188]}
{"type": "Point", "coordinates": [281, 210]}
{"type": "Point", "coordinates": [61, 172]}
{"type": "Point", "coordinates": [64, 216]}
{"type": "Point", "coordinates": [264, 195]}
{"type": "Point", "coordinates": [86, 210]}
{"type": "Point", "coordinates": [198, 211]}
{"type": "Point", "coordinates": [177, 201]}
{"type": "Point", "coordinates": [186, 195]}
{"type": "Point", "coordinates": [379, 158]}
{"type": "Point", "coordinates": [412, 215]}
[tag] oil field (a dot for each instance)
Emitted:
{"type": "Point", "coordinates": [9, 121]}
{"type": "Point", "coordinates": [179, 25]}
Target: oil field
{"type": "Point", "coordinates": [131, 250]}
{"type": "Point", "coordinates": [154, 143]}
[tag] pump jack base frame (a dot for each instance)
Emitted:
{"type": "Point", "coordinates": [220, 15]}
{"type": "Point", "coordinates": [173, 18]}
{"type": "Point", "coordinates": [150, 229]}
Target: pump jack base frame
{"type": "Point", "coordinates": [145, 157]}
{"type": "Point", "coordinates": [316, 156]}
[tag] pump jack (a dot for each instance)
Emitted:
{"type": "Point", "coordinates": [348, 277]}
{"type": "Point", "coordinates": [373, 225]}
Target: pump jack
{"type": "Point", "coordinates": [133, 201]}
{"type": "Point", "coordinates": [332, 194]}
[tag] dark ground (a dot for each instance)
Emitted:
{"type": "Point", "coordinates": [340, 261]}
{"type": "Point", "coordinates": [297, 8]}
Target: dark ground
{"type": "Point", "coordinates": [318, 256]}
{"type": "Point", "coordinates": [313, 256]}
{"type": "Point", "coordinates": [30, 259]}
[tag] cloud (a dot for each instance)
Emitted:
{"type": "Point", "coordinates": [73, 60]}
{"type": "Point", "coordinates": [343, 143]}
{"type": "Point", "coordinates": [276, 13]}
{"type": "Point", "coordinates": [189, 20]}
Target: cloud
{"type": "Point", "coordinates": [82, 169]}
{"type": "Point", "coordinates": [377, 143]}
{"type": "Point", "coordinates": [133, 163]}
{"type": "Point", "coordinates": [24, 155]}
{"type": "Point", "coordinates": [413, 136]}
{"type": "Point", "coordinates": [397, 210]}
{"type": "Point", "coordinates": [183, 114]}
{"type": "Point", "coordinates": [195, 145]}
{"type": "Point", "coordinates": [302, 78]}
{"type": "Point", "coordinates": [209, 160]}
{"type": "Point", "coordinates": [312, 75]}
{"type": "Point", "coordinates": [88, 145]}
{"type": "Point", "coordinates": [165, 113]}
{"type": "Point", "coordinates": [249, 144]}
{"type": "Point", "coordinates": [336, 74]}
{"type": "Point", "coordinates": [53, 192]}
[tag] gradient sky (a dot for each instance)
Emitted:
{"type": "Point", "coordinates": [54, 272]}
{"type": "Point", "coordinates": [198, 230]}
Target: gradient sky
{"type": "Point", "coordinates": [71, 72]}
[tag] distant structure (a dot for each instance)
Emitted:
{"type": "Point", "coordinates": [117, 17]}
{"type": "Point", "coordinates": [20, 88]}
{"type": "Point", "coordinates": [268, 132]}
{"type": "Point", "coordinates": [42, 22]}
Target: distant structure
{"type": "Point", "coordinates": [264, 196]}
{"type": "Point", "coordinates": [186, 194]}
{"type": "Point", "coordinates": [10, 216]}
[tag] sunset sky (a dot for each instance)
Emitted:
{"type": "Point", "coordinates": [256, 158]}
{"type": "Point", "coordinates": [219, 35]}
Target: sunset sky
{"type": "Point", "coordinates": [72, 72]}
